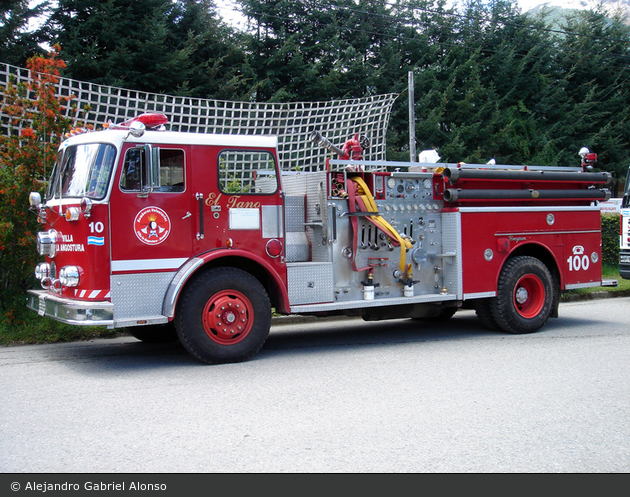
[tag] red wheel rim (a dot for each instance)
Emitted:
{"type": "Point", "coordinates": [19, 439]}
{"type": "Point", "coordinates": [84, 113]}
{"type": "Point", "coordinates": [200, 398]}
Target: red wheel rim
{"type": "Point", "coordinates": [228, 317]}
{"type": "Point", "coordinates": [529, 296]}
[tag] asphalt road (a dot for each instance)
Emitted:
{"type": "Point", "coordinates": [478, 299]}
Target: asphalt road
{"type": "Point", "coordinates": [331, 396]}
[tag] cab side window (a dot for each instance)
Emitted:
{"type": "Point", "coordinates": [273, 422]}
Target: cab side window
{"type": "Point", "coordinates": [171, 170]}
{"type": "Point", "coordinates": [134, 173]}
{"type": "Point", "coordinates": [246, 171]}
{"type": "Point", "coordinates": [163, 173]}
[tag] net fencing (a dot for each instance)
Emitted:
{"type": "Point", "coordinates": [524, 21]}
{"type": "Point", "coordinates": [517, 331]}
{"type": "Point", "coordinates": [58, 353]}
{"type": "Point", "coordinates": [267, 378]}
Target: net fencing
{"type": "Point", "coordinates": [292, 123]}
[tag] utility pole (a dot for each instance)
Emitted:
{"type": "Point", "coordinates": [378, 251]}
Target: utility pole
{"type": "Point", "coordinates": [412, 121]}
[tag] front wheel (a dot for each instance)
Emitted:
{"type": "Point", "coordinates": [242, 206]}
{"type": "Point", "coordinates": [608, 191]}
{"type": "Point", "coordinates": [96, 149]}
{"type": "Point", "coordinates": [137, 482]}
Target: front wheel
{"type": "Point", "coordinates": [224, 316]}
{"type": "Point", "coordinates": [524, 298]}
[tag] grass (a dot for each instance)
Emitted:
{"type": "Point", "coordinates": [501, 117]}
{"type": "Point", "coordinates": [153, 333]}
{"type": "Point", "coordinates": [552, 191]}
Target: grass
{"type": "Point", "coordinates": [608, 273]}
{"type": "Point", "coordinates": [33, 329]}
{"type": "Point", "coordinates": [21, 326]}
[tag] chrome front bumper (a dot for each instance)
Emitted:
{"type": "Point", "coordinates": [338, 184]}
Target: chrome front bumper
{"type": "Point", "coordinates": [79, 312]}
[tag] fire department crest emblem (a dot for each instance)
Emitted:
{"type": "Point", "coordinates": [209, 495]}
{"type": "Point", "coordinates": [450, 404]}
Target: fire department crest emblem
{"type": "Point", "coordinates": [152, 225]}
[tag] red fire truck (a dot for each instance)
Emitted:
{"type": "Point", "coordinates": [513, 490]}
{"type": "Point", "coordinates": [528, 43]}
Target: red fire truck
{"type": "Point", "coordinates": [200, 237]}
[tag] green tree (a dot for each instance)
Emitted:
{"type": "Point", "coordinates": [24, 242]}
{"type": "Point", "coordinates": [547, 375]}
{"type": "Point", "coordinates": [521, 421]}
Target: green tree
{"type": "Point", "coordinates": [216, 64]}
{"type": "Point", "coordinates": [17, 41]}
{"type": "Point", "coordinates": [162, 46]}
{"type": "Point", "coordinates": [589, 104]}
{"type": "Point", "coordinates": [312, 51]}
{"type": "Point", "coordinates": [308, 50]}
{"type": "Point", "coordinates": [119, 42]}
{"type": "Point", "coordinates": [490, 82]}
{"type": "Point", "coordinates": [475, 100]}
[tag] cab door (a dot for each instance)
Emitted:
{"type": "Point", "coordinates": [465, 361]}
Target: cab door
{"type": "Point", "coordinates": [241, 203]}
{"type": "Point", "coordinates": [151, 209]}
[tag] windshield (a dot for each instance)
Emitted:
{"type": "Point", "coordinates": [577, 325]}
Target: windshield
{"type": "Point", "coordinates": [82, 171]}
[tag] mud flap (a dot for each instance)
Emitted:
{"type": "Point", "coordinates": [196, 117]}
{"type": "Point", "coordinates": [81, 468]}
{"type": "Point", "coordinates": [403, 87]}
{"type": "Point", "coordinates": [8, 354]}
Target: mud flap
{"type": "Point", "coordinates": [557, 295]}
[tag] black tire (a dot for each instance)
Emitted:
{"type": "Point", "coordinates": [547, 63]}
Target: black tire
{"type": "Point", "coordinates": [155, 333]}
{"type": "Point", "coordinates": [484, 314]}
{"type": "Point", "coordinates": [224, 316]}
{"type": "Point", "coordinates": [525, 297]}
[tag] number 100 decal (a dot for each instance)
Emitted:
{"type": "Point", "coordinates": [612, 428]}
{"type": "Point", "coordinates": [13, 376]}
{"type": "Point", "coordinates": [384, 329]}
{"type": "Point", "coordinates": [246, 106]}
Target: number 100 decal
{"type": "Point", "coordinates": [579, 261]}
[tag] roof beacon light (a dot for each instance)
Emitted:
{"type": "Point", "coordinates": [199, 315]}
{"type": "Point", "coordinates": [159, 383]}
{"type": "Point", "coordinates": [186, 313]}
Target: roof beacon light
{"type": "Point", "coordinates": [152, 120]}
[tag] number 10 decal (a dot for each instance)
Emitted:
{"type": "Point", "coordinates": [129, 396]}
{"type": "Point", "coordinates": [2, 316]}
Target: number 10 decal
{"type": "Point", "coordinates": [96, 227]}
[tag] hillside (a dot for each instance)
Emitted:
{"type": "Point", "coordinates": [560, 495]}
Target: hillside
{"type": "Point", "coordinates": [611, 6]}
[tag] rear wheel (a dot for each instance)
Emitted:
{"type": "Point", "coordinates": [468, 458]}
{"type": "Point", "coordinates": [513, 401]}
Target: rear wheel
{"type": "Point", "coordinates": [224, 316]}
{"type": "Point", "coordinates": [524, 296]}
{"type": "Point", "coordinates": [484, 314]}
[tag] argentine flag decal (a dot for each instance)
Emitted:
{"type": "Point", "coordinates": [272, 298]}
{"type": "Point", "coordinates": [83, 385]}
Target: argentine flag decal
{"type": "Point", "coordinates": [96, 240]}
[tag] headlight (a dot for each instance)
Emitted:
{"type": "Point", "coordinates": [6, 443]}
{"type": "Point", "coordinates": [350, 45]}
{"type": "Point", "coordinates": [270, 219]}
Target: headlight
{"type": "Point", "coordinates": [69, 276]}
{"type": "Point", "coordinates": [46, 241]}
{"type": "Point", "coordinates": [42, 270]}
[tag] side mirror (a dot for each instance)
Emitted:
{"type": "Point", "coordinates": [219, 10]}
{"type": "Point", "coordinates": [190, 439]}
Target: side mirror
{"type": "Point", "coordinates": [35, 199]}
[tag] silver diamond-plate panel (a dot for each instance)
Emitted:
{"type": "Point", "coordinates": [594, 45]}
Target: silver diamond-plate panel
{"type": "Point", "coordinates": [309, 184]}
{"type": "Point", "coordinates": [297, 246]}
{"type": "Point", "coordinates": [294, 212]}
{"type": "Point", "coordinates": [139, 295]}
{"type": "Point", "coordinates": [292, 122]}
{"type": "Point", "coordinates": [452, 244]}
{"type": "Point", "coordinates": [310, 282]}
{"type": "Point", "coordinates": [294, 184]}
{"type": "Point", "coordinates": [316, 200]}
{"type": "Point", "coordinates": [320, 252]}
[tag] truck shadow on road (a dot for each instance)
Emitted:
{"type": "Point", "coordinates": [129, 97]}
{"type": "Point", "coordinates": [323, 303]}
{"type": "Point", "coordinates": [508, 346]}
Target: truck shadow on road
{"type": "Point", "coordinates": [355, 331]}
{"type": "Point", "coordinates": [315, 338]}
{"type": "Point", "coordinates": [309, 337]}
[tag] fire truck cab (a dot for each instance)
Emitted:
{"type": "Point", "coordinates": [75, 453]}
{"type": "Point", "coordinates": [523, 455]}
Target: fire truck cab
{"type": "Point", "coordinates": [200, 237]}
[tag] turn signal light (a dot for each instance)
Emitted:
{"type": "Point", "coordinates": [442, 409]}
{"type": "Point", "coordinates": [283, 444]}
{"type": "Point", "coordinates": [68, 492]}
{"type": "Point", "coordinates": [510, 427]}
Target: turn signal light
{"type": "Point", "coordinates": [72, 213]}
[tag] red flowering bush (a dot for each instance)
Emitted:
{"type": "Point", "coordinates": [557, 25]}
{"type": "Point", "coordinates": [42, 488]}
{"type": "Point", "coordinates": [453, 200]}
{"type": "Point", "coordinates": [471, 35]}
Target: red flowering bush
{"type": "Point", "coordinates": [27, 154]}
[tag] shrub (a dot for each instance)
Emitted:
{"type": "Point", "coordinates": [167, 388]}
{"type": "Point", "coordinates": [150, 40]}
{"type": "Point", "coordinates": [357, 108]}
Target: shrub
{"type": "Point", "coordinates": [610, 239]}
{"type": "Point", "coordinates": [27, 153]}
